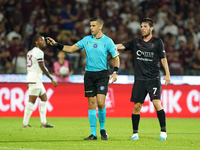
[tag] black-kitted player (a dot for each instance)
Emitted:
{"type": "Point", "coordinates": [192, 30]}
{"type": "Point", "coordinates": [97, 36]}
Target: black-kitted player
{"type": "Point", "coordinates": [147, 52]}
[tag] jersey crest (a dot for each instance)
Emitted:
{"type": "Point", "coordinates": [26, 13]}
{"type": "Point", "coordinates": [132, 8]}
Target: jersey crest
{"type": "Point", "coordinates": [95, 45]}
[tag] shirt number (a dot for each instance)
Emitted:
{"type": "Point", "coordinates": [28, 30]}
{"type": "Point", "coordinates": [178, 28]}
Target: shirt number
{"type": "Point", "coordinates": [154, 90]}
{"type": "Point", "coordinates": [29, 60]}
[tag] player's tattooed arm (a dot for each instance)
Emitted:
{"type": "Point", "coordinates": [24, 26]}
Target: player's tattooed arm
{"type": "Point", "coordinates": [120, 46]}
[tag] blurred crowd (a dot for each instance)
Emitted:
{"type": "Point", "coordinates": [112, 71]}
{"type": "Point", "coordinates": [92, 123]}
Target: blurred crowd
{"type": "Point", "coordinates": [177, 23]}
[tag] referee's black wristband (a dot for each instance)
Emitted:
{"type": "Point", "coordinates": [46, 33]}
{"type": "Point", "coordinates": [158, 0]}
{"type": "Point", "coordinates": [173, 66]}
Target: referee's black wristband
{"type": "Point", "coordinates": [59, 46]}
{"type": "Point", "coordinates": [116, 70]}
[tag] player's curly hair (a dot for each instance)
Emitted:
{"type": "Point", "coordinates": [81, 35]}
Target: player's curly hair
{"type": "Point", "coordinates": [149, 21]}
{"type": "Point", "coordinates": [34, 40]}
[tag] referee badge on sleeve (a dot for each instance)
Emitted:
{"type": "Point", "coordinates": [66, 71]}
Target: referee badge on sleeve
{"type": "Point", "coordinates": [116, 51]}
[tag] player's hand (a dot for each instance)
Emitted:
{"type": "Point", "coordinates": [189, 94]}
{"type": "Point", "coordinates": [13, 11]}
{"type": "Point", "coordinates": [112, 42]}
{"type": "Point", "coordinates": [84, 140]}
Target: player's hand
{"type": "Point", "coordinates": [167, 80]}
{"type": "Point", "coordinates": [50, 41]}
{"type": "Point", "coordinates": [55, 84]}
{"type": "Point", "coordinates": [113, 77]}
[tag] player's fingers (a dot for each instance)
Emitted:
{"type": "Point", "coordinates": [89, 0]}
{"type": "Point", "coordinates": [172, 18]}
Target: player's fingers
{"type": "Point", "coordinates": [114, 80]}
{"type": "Point", "coordinates": [111, 77]}
{"type": "Point", "coordinates": [167, 83]}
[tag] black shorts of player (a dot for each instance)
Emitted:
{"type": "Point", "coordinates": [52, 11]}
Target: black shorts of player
{"type": "Point", "coordinates": [141, 88]}
{"type": "Point", "coordinates": [96, 83]}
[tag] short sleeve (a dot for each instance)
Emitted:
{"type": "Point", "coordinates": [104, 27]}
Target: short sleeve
{"type": "Point", "coordinates": [161, 49]}
{"type": "Point", "coordinates": [128, 45]}
{"type": "Point", "coordinates": [39, 56]}
{"type": "Point", "coordinates": [112, 49]}
{"type": "Point", "coordinates": [80, 43]}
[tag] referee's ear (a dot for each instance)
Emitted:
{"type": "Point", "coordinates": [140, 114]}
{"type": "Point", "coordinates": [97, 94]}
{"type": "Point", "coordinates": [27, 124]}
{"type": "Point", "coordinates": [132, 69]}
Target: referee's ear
{"type": "Point", "coordinates": [100, 26]}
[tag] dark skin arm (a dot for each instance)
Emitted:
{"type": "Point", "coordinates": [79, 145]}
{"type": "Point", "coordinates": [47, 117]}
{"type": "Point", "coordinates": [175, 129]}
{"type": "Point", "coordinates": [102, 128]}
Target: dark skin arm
{"type": "Point", "coordinates": [46, 72]}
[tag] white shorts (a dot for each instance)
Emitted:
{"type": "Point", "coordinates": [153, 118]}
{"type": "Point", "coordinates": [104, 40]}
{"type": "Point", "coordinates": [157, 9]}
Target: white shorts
{"type": "Point", "coordinates": [36, 90]}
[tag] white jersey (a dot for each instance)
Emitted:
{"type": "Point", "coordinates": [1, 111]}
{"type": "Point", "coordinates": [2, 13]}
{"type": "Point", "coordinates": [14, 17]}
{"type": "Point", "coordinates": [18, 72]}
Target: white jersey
{"type": "Point", "coordinates": [34, 73]}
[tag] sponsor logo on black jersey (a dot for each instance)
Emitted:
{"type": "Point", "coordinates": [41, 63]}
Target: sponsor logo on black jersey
{"type": "Point", "coordinates": [145, 54]}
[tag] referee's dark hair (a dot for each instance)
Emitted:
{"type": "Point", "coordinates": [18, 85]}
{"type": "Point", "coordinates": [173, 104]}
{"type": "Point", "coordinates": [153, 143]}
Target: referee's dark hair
{"type": "Point", "coordinates": [35, 39]}
{"type": "Point", "coordinates": [98, 19]}
{"type": "Point", "coordinates": [149, 21]}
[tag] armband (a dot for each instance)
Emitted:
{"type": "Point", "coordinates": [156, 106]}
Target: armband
{"type": "Point", "coordinates": [59, 46]}
{"type": "Point", "coordinates": [116, 70]}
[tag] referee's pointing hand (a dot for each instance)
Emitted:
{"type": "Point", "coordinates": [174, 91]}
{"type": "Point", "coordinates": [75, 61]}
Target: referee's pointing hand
{"type": "Point", "coordinates": [50, 41]}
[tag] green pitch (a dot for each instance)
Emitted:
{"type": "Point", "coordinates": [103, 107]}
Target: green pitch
{"type": "Point", "coordinates": [68, 134]}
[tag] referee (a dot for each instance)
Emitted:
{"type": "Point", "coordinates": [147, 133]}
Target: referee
{"type": "Point", "coordinates": [147, 53]}
{"type": "Point", "coordinates": [96, 79]}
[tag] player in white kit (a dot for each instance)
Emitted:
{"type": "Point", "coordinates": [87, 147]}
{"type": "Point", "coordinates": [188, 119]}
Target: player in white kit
{"type": "Point", "coordinates": [35, 69]}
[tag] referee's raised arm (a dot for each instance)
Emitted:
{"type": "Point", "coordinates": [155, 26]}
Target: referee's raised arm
{"type": "Point", "coordinates": [65, 48]}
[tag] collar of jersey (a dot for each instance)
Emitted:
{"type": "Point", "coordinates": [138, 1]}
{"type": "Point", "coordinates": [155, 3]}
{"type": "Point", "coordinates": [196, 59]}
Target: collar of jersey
{"type": "Point", "coordinates": [100, 37]}
{"type": "Point", "coordinates": [148, 40]}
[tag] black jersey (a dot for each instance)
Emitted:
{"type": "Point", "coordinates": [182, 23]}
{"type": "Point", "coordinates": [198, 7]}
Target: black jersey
{"type": "Point", "coordinates": [146, 57]}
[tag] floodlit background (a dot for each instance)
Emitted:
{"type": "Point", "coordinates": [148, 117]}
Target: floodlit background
{"type": "Point", "coordinates": [177, 23]}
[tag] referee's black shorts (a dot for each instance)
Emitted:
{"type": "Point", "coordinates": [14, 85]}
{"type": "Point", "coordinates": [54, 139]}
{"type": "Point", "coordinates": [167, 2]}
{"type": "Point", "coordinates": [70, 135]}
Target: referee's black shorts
{"type": "Point", "coordinates": [96, 83]}
{"type": "Point", "coordinates": [141, 88]}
